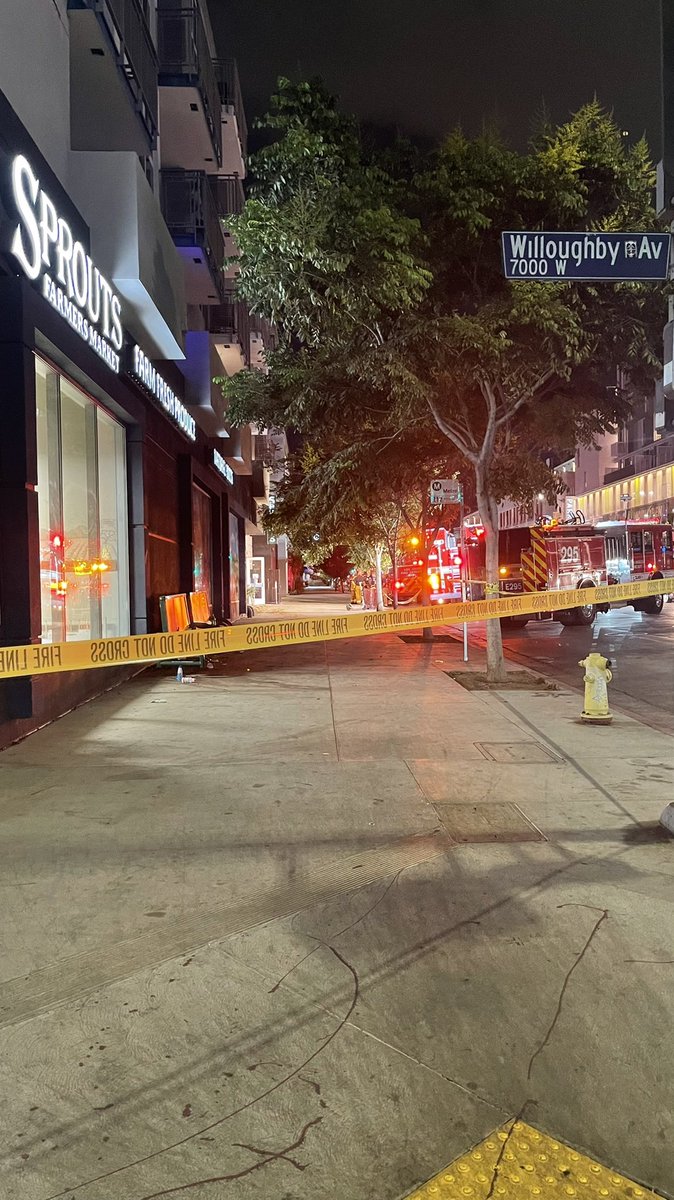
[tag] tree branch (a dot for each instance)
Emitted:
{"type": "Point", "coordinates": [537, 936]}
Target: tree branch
{"type": "Point", "coordinates": [452, 433]}
{"type": "Point", "coordinates": [515, 405]}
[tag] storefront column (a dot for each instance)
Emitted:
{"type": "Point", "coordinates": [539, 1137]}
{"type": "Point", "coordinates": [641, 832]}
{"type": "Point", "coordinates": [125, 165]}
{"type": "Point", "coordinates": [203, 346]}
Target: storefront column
{"type": "Point", "coordinates": [138, 566]}
{"type": "Point", "coordinates": [185, 520]}
{"type": "Point", "coordinates": [217, 599]}
{"type": "Point", "coordinates": [224, 525]}
{"type": "Point", "coordinates": [19, 524]}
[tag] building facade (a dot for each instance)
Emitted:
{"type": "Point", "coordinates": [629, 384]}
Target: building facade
{"type": "Point", "coordinates": [120, 479]}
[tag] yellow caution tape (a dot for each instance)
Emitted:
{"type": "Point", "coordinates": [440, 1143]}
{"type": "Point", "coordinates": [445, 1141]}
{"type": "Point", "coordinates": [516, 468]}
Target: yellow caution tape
{"type": "Point", "coordinates": [16, 661]}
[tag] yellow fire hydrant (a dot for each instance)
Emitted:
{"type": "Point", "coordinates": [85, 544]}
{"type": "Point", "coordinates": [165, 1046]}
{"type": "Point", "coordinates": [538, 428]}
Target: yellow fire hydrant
{"type": "Point", "coordinates": [597, 676]}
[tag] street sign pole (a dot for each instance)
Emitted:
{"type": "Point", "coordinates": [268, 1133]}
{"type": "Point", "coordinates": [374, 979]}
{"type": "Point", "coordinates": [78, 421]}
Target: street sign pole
{"type": "Point", "coordinates": [464, 567]}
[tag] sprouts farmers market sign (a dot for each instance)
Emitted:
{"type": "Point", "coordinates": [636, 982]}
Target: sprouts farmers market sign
{"type": "Point", "coordinates": [46, 250]}
{"type": "Point", "coordinates": [611, 257]}
{"type": "Point", "coordinates": [51, 256]}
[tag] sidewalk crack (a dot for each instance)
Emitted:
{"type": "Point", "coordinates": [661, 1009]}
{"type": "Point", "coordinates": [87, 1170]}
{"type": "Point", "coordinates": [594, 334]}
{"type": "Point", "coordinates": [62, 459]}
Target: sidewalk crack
{"type": "Point", "coordinates": [332, 700]}
{"type": "Point", "coordinates": [567, 979]}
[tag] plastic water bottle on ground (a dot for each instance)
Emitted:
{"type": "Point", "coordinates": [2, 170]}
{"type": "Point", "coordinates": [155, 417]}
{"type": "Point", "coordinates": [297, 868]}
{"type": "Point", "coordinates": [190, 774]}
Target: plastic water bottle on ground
{"type": "Point", "coordinates": [179, 675]}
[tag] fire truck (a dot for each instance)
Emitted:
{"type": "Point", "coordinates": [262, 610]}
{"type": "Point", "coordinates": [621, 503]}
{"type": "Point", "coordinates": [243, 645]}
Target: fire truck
{"type": "Point", "coordinates": [443, 570]}
{"type": "Point", "coordinates": [555, 557]}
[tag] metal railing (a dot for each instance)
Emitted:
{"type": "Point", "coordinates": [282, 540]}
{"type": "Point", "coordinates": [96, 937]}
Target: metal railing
{"type": "Point", "coordinates": [191, 213]}
{"type": "Point", "coordinates": [232, 319]}
{"type": "Point", "coordinates": [126, 25]}
{"type": "Point", "coordinates": [185, 57]}
{"type": "Point", "coordinates": [266, 330]}
{"type": "Point", "coordinates": [265, 449]}
{"type": "Point", "coordinates": [647, 458]}
{"type": "Point", "coordinates": [230, 196]}
{"type": "Point", "coordinates": [230, 93]}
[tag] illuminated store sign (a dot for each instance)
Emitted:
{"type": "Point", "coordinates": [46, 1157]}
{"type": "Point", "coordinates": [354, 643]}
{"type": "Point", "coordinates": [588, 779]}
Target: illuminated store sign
{"type": "Point", "coordinates": [222, 467]}
{"type": "Point", "coordinates": [45, 248]}
{"type": "Point", "coordinates": [148, 375]}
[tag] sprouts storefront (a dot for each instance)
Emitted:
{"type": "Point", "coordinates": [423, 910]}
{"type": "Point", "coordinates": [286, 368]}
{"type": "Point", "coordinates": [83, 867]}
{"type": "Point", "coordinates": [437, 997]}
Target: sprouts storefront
{"type": "Point", "coordinates": [109, 496]}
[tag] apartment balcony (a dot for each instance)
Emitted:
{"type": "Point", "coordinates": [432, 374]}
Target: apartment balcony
{"type": "Point", "coordinates": [190, 107]}
{"type": "Point", "coordinates": [229, 195]}
{"type": "Point", "coordinates": [619, 450]}
{"type": "Point", "coordinates": [113, 76]}
{"type": "Point", "coordinates": [238, 450]}
{"type": "Point", "coordinates": [190, 211]}
{"type": "Point", "coordinates": [229, 325]}
{"type": "Point", "coordinates": [234, 131]}
{"type": "Point", "coordinates": [230, 200]}
{"type": "Point", "coordinates": [261, 481]}
{"type": "Point", "coordinates": [263, 339]}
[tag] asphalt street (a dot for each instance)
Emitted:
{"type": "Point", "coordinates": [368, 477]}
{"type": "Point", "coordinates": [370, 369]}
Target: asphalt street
{"type": "Point", "coordinates": [641, 649]}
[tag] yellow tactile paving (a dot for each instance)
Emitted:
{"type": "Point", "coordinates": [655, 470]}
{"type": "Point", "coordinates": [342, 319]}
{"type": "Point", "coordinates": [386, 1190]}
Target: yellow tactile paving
{"type": "Point", "coordinates": [517, 1162]}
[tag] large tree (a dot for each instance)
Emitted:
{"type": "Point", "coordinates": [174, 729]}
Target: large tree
{"type": "Point", "coordinates": [384, 273]}
{"type": "Point", "coordinates": [359, 493]}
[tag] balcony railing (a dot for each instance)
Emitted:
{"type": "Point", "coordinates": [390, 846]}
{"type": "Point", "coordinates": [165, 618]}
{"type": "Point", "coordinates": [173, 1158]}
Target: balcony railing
{"type": "Point", "coordinates": [266, 329]}
{"type": "Point", "coordinates": [125, 23]}
{"type": "Point", "coordinates": [230, 94]}
{"type": "Point", "coordinates": [191, 213]}
{"type": "Point", "coordinates": [230, 196]}
{"type": "Point", "coordinates": [232, 319]}
{"type": "Point", "coordinates": [185, 58]}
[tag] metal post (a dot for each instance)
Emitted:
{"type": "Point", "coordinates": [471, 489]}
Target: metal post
{"type": "Point", "coordinates": [464, 566]}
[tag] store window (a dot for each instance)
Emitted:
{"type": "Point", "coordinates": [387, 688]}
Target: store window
{"type": "Point", "coordinates": [81, 478]}
{"type": "Point", "coordinates": [234, 567]}
{"type": "Point", "coordinates": [202, 542]}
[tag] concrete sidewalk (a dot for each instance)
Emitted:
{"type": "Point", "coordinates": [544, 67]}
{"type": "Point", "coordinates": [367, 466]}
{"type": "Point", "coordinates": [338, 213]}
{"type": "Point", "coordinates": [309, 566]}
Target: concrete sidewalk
{"type": "Point", "coordinates": [319, 924]}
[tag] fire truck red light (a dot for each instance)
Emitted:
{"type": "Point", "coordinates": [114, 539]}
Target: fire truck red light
{"type": "Point", "coordinates": [649, 566]}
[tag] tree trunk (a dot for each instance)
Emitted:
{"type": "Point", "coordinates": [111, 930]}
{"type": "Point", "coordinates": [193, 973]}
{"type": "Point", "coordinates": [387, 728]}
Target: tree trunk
{"type": "Point", "coordinates": [393, 554]}
{"type": "Point", "coordinates": [378, 551]}
{"type": "Point", "coordinates": [488, 509]}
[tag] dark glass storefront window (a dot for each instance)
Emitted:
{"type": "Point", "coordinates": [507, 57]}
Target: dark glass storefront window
{"type": "Point", "coordinates": [81, 477]}
{"type": "Point", "coordinates": [234, 568]}
{"type": "Point", "coordinates": [202, 542]}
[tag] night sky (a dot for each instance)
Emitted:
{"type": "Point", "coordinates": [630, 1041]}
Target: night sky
{"type": "Point", "coordinates": [426, 65]}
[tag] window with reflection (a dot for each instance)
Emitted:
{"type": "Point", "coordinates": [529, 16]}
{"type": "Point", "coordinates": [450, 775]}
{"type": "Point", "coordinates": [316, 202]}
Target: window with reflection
{"type": "Point", "coordinates": [82, 506]}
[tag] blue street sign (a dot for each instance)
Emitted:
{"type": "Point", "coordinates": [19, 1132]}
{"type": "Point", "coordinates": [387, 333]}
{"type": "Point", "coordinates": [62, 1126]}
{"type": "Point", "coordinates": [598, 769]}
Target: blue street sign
{"type": "Point", "coordinates": [613, 257]}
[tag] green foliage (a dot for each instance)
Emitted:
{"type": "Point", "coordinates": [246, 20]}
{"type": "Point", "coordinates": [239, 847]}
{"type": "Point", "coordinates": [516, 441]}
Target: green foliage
{"type": "Point", "coordinates": [337, 564]}
{"type": "Point", "coordinates": [403, 344]}
{"type": "Point", "coordinates": [384, 271]}
{"type": "Point", "coordinates": [323, 246]}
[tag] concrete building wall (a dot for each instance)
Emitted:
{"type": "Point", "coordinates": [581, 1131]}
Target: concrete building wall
{"type": "Point", "coordinates": [34, 43]}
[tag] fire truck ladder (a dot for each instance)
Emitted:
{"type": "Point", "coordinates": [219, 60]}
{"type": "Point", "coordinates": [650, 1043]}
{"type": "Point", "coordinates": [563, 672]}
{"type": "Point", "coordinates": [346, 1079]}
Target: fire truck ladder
{"type": "Point", "coordinates": [534, 563]}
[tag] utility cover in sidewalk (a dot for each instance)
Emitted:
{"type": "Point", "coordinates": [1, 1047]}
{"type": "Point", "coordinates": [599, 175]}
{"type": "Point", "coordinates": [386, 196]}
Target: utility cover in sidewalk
{"type": "Point", "coordinates": [517, 1162]}
{"type": "Point", "coordinates": [488, 823]}
{"type": "Point", "coordinates": [517, 752]}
